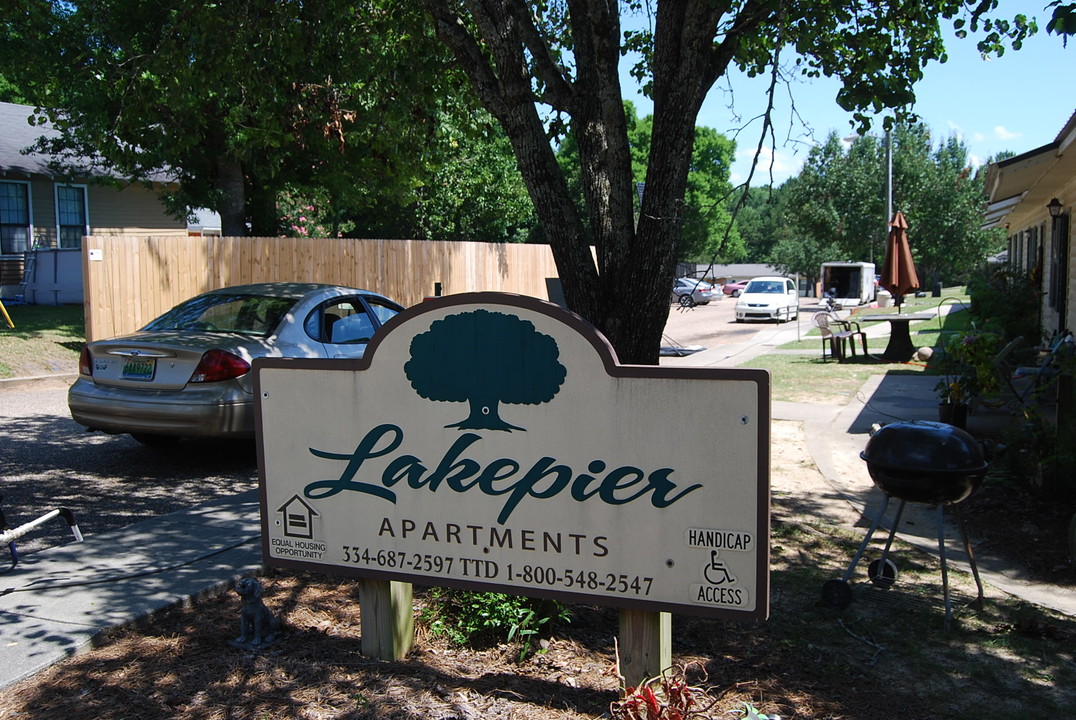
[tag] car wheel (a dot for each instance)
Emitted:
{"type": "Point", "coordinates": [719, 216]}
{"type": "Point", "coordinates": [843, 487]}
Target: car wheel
{"type": "Point", "coordinates": [735, 293]}
{"type": "Point", "coordinates": [686, 301]}
{"type": "Point", "coordinates": [158, 441]}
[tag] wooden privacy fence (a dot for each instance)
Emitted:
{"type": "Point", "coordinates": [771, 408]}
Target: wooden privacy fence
{"type": "Point", "coordinates": [129, 279]}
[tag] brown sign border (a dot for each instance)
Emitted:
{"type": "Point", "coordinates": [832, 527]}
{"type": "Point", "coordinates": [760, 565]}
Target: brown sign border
{"type": "Point", "coordinates": [608, 356]}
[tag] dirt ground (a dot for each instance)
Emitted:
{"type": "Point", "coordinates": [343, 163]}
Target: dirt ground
{"type": "Point", "coordinates": [880, 659]}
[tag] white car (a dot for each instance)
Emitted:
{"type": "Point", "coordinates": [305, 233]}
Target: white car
{"type": "Point", "coordinates": [768, 298]}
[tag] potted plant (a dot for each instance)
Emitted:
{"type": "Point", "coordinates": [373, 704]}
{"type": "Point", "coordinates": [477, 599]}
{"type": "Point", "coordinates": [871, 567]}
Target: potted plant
{"type": "Point", "coordinates": [953, 401]}
{"type": "Point", "coordinates": [970, 374]}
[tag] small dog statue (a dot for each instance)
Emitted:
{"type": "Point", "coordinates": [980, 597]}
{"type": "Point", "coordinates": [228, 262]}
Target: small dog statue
{"type": "Point", "coordinates": [257, 626]}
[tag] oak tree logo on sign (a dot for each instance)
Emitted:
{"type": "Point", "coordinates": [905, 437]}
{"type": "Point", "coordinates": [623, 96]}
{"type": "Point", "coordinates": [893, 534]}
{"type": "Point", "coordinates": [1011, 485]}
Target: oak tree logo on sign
{"type": "Point", "coordinates": [484, 359]}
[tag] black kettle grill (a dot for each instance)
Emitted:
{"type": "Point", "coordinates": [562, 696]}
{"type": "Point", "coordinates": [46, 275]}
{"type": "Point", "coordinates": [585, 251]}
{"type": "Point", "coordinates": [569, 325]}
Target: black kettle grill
{"type": "Point", "coordinates": [924, 462]}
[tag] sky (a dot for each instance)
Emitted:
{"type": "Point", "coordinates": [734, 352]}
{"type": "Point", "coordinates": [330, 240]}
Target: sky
{"type": "Point", "coordinates": [1018, 102]}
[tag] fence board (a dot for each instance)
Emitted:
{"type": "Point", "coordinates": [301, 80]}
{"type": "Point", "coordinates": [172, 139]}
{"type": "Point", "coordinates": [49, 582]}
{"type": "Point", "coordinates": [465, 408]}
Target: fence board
{"type": "Point", "coordinates": [139, 277]}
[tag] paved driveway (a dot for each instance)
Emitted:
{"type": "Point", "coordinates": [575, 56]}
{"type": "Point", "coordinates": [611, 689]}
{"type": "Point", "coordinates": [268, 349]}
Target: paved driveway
{"type": "Point", "coordinates": [107, 481]}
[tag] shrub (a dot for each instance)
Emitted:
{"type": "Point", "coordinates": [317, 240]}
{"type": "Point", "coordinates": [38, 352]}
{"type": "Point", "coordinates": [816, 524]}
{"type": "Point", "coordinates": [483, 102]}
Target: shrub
{"type": "Point", "coordinates": [1007, 302]}
{"type": "Point", "coordinates": [969, 367]}
{"type": "Point", "coordinates": [473, 618]}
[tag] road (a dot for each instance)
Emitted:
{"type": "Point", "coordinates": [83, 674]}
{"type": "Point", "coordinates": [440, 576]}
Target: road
{"type": "Point", "coordinates": [715, 324]}
{"type": "Point", "coordinates": [110, 481]}
{"type": "Point", "coordinates": [107, 481]}
{"type": "Point", "coordinates": [707, 324]}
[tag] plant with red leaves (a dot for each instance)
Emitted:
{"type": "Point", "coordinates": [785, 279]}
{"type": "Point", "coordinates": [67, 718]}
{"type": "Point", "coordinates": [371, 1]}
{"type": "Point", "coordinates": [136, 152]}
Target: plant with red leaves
{"type": "Point", "coordinates": [668, 697]}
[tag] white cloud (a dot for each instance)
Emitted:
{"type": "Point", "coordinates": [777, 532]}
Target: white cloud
{"type": "Point", "coordinates": [1002, 133]}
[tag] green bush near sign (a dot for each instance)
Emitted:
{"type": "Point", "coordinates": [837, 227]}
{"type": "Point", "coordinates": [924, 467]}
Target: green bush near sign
{"type": "Point", "coordinates": [477, 618]}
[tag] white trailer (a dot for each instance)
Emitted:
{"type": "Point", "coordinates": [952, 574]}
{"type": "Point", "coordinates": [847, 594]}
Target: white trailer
{"type": "Point", "coordinates": [849, 283]}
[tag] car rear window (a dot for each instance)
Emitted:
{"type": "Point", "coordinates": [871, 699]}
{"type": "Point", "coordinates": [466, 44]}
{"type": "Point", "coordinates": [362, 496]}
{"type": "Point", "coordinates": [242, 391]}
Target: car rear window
{"type": "Point", "coordinates": [256, 315]}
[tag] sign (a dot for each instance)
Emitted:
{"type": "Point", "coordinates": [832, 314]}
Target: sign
{"type": "Point", "coordinates": [492, 442]}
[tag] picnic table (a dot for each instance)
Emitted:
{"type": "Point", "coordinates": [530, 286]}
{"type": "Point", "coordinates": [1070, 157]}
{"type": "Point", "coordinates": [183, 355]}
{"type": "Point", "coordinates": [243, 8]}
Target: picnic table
{"type": "Point", "coordinates": [900, 347]}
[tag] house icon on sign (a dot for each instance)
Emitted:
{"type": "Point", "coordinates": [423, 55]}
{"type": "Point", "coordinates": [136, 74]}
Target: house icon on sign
{"type": "Point", "coordinates": [298, 518]}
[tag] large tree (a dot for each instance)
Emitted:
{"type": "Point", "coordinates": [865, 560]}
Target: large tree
{"type": "Point", "coordinates": [466, 188]}
{"type": "Point", "coordinates": [236, 100]}
{"type": "Point", "coordinates": [538, 64]}
{"type": "Point", "coordinates": [837, 205]}
{"type": "Point", "coordinates": [944, 200]}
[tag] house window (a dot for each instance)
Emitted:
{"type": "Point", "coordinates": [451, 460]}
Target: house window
{"type": "Point", "coordinates": [71, 215]}
{"type": "Point", "coordinates": [14, 218]}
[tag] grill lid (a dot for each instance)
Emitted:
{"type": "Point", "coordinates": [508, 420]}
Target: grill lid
{"type": "Point", "coordinates": [925, 462]}
{"type": "Point", "coordinates": [924, 445]}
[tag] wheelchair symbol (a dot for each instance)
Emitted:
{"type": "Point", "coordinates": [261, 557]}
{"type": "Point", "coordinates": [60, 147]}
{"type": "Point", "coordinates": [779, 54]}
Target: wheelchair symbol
{"type": "Point", "coordinates": [716, 573]}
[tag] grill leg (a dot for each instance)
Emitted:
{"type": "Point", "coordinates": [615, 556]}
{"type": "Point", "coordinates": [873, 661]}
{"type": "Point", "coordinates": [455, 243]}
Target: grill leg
{"type": "Point", "coordinates": [971, 556]}
{"type": "Point", "coordinates": [892, 532]}
{"type": "Point", "coordinates": [867, 539]}
{"type": "Point", "coordinates": [944, 566]}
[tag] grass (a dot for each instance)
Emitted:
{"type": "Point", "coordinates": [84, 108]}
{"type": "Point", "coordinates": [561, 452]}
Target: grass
{"type": "Point", "coordinates": [927, 332]}
{"type": "Point", "coordinates": [806, 377]}
{"type": "Point", "coordinates": [45, 339]}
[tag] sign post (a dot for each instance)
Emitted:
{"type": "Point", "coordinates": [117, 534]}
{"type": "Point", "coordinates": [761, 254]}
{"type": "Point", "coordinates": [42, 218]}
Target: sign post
{"type": "Point", "coordinates": [388, 618]}
{"type": "Point", "coordinates": [492, 442]}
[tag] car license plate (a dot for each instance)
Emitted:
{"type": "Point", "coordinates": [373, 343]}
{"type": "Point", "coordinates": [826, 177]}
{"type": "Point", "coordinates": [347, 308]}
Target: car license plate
{"type": "Point", "coordinates": [139, 368]}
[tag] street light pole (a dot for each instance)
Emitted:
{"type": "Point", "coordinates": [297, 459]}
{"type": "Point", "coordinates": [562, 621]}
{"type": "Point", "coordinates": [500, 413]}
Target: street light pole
{"type": "Point", "coordinates": [888, 178]}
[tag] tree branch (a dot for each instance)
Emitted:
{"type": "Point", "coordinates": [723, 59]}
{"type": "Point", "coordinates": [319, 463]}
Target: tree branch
{"type": "Point", "coordinates": [450, 28]}
{"type": "Point", "coordinates": [557, 87]}
{"type": "Point", "coordinates": [505, 88]}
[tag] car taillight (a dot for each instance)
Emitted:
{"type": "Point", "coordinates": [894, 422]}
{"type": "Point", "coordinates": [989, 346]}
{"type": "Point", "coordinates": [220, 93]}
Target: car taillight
{"type": "Point", "coordinates": [217, 365]}
{"type": "Point", "coordinates": [85, 362]}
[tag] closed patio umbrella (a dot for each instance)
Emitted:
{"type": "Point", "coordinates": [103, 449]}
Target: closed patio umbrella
{"type": "Point", "coordinates": [898, 271]}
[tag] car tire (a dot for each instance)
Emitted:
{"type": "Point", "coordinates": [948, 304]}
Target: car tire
{"type": "Point", "coordinates": [735, 293]}
{"type": "Point", "coordinates": [155, 441]}
{"type": "Point", "coordinates": [686, 301]}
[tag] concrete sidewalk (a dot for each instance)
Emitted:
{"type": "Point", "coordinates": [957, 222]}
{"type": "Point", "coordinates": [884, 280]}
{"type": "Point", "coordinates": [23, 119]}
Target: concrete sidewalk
{"type": "Point", "coordinates": [57, 601]}
{"type": "Point", "coordinates": [837, 433]}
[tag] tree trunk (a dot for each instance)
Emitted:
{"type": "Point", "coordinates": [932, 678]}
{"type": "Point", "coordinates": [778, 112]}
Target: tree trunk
{"type": "Point", "coordinates": [485, 415]}
{"type": "Point", "coordinates": [261, 209]}
{"type": "Point", "coordinates": [233, 209]}
{"type": "Point", "coordinates": [616, 275]}
{"type": "Point", "coordinates": [684, 68]}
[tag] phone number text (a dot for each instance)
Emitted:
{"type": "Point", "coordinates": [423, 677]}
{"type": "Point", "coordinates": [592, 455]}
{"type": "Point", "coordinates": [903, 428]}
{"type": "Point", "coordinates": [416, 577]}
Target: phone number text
{"type": "Point", "coordinates": [539, 575]}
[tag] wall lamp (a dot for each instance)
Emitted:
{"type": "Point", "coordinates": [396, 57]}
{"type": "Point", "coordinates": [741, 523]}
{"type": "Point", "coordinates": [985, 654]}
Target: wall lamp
{"type": "Point", "coordinates": [1054, 206]}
